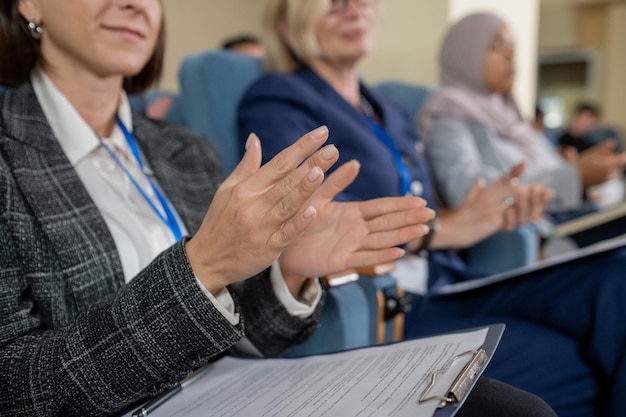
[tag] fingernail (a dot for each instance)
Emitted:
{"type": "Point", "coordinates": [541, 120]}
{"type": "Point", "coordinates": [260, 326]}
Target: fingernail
{"type": "Point", "coordinates": [251, 137]}
{"type": "Point", "coordinates": [329, 152]}
{"type": "Point", "coordinates": [309, 212]}
{"type": "Point", "coordinates": [314, 174]}
{"type": "Point", "coordinates": [320, 132]}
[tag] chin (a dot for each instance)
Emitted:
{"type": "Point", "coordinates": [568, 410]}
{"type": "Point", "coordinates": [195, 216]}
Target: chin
{"type": "Point", "coordinates": [128, 69]}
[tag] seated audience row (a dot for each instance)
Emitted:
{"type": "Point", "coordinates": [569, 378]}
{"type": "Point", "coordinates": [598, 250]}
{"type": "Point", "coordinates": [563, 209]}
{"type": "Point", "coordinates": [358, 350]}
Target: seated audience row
{"type": "Point", "coordinates": [551, 346]}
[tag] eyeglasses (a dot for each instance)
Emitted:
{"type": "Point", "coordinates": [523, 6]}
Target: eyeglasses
{"type": "Point", "coordinates": [338, 6]}
{"type": "Point", "coordinates": [502, 44]}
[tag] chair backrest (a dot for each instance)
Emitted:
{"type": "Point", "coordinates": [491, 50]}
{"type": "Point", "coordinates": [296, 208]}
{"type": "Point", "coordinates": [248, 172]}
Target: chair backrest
{"type": "Point", "coordinates": [408, 96]}
{"type": "Point", "coordinates": [212, 84]}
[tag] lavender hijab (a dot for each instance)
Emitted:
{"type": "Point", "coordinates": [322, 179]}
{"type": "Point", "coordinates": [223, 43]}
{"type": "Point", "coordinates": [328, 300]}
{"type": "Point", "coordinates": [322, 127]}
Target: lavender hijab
{"type": "Point", "coordinates": [463, 93]}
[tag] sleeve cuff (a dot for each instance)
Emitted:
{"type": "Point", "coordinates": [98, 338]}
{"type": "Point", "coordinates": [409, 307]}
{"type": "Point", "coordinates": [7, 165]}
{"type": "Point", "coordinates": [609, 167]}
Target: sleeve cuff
{"type": "Point", "coordinates": [311, 294]}
{"type": "Point", "coordinates": [223, 303]}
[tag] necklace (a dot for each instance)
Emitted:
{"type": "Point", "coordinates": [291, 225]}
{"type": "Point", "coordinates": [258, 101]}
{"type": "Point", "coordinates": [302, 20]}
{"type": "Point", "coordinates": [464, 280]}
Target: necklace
{"type": "Point", "coordinates": [366, 106]}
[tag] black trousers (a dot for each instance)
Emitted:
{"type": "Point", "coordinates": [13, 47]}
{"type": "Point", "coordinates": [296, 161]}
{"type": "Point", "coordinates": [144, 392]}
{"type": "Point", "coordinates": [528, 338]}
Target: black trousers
{"type": "Point", "coordinates": [494, 398]}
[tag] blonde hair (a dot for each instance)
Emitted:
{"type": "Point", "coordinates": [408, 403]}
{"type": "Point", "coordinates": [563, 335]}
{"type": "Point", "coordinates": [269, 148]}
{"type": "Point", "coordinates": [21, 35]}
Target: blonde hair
{"type": "Point", "coordinates": [290, 30]}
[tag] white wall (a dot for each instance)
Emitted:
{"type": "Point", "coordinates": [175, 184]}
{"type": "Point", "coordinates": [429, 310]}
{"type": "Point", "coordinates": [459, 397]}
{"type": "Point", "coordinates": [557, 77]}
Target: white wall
{"type": "Point", "coordinates": [409, 38]}
{"type": "Point", "coordinates": [408, 42]}
{"type": "Point", "coordinates": [614, 103]}
{"type": "Point", "coordinates": [522, 17]}
{"type": "Point", "coordinates": [197, 25]}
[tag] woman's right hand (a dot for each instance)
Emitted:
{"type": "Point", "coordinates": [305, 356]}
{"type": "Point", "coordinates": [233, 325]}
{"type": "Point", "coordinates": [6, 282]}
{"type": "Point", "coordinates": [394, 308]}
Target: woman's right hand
{"type": "Point", "coordinates": [598, 164]}
{"type": "Point", "coordinates": [258, 211]}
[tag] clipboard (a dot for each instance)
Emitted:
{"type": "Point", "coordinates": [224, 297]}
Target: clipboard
{"type": "Point", "coordinates": [452, 398]}
{"type": "Point", "coordinates": [195, 399]}
{"type": "Point", "coordinates": [522, 272]}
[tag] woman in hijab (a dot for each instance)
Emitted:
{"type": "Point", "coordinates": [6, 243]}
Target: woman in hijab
{"type": "Point", "coordinates": [473, 128]}
{"type": "Point", "coordinates": [565, 332]}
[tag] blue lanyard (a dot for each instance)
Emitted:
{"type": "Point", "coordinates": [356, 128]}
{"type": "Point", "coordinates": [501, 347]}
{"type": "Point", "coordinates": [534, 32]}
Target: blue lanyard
{"type": "Point", "coordinates": [405, 176]}
{"type": "Point", "coordinates": [169, 219]}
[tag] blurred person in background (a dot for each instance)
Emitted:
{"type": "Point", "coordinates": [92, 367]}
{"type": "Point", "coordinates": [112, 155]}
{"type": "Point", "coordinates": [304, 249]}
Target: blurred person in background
{"type": "Point", "coordinates": [244, 44]}
{"type": "Point", "coordinates": [472, 126]}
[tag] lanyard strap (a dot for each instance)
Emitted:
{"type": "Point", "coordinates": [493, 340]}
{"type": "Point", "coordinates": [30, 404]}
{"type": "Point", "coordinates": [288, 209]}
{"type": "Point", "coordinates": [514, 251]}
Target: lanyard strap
{"type": "Point", "coordinates": [169, 219]}
{"type": "Point", "coordinates": [405, 176]}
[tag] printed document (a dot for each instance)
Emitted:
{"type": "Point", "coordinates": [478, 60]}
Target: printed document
{"type": "Point", "coordinates": [376, 381]}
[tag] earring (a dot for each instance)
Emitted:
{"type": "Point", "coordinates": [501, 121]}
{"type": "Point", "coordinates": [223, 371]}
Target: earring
{"type": "Point", "coordinates": [35, 30]}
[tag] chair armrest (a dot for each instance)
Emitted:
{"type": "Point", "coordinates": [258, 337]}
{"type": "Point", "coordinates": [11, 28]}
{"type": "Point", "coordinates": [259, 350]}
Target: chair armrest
{"type": "Point", "coordinates": [504, 251]}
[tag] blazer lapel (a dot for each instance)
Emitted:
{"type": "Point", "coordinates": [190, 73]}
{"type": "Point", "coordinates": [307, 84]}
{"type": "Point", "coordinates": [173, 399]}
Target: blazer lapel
{"type": "Point", "coordinates": [81, 246]}
{"type": "Point", "coordinates": [188, 181]}
{"type": "Point", "coordinates": [329, 93]}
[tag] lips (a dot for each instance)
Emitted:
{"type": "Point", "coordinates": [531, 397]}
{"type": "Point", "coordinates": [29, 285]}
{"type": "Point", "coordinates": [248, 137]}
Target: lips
{"type": "Point", "coordinates": [128, 32]}
{"type": "Point", "coordinates": [354, 33]}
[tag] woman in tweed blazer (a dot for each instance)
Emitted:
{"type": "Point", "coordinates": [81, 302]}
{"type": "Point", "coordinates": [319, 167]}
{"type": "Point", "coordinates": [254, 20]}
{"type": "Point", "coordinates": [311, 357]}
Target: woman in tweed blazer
{"type": "Point", "coordinates": [78, 335]}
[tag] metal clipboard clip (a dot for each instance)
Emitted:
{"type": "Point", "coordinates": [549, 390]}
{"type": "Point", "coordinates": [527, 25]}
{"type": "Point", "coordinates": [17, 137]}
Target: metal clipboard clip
{"type": "Point", "coordinates": [461, 384]}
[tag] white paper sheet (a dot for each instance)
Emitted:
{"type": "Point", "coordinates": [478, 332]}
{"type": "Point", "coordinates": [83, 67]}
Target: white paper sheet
{"type": "Point", "coordinates": [377, 381]}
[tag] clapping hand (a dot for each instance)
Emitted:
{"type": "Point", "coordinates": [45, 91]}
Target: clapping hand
{"type": "Point", "coordinates": [527, 201]}
{"type": "Point", "coordinates": [487, 209]}
{"type": "Point", "coordinates": [258, 211]}
{"type": "Point", "coordinates": [348, 235]}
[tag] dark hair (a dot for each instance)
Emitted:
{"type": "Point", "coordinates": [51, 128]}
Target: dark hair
{"type": "Point", "coordinates": [18, 49]}
{"type": "Point", "coordinates": [585, 107]}
{"type": "Point", "coordinates": [233, 42]}
{"type": "Point", "coordinates": [151, 72]}
{"type": "Point", "coordinates": [20, 52]}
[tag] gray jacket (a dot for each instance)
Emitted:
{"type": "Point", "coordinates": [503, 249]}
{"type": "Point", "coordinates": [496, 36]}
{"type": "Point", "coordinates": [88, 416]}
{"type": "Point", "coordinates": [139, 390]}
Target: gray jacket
{"type": "Point", "coordinates": [75, 340]}
{"type": "Point", "coordinates": [460, 151]}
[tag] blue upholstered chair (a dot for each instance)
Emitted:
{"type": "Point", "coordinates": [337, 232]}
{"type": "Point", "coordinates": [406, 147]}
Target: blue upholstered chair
{"type": "Point", "coordinates": [211, 86]}
{"type": "Point", "coordinates": [343, 323]}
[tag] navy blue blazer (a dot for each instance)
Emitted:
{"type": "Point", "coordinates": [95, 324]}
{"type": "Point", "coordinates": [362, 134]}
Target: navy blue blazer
{"type": "Point", "coordinates": [280, 108]}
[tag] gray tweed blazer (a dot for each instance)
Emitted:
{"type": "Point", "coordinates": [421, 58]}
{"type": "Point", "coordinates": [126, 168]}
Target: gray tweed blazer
{"type": "Point", "coordinates": [75, 340]}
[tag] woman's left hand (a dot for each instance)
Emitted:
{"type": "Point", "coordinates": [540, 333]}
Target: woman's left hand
{"type": "Point", "coordinates": [531, 201]}
{"type": "Point", "coordinates": [352, 234]}
{"type": "Point", "coordinates": [527, 201]}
